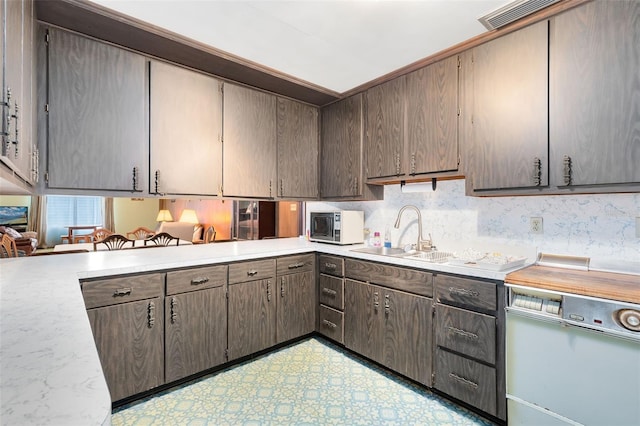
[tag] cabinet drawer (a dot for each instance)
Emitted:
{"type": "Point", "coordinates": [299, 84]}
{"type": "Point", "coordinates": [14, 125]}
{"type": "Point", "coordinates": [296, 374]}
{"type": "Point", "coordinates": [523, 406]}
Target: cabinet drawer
{"type": "Point", "coordinates": [331, 291]}
{"type": "Point", "coordinates": [330, 323]}
{"type": "Point", "coordinates": [113, 291]}
{"type": "Point", "coordinates": [466, 292]}
{"type": "Point", "coordinates": [196, 279]}
{"type": "Point", "coordinates": [411, 280]}
{"type": "Point", "coordinates": [251, 271]}
{"type": "Point", "coordinates": [466, 332]}
{"type": "Point", "coordinates": [331, 265]}
{"type": "Point", "coordinates": [293, 264]}
{"type": "Point", "coordinates": [466, 380]}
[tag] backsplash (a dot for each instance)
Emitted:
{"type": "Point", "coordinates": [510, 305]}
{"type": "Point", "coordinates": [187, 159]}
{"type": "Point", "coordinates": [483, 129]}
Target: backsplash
{"type": "Point", "coordinates": [600, 226]}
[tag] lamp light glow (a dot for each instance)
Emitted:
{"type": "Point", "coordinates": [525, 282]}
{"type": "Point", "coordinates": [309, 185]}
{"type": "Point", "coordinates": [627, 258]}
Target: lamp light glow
{"type": "Point", "coordinates": [188, 216]}
{"type": "Point", "coordinates": [164, 216]}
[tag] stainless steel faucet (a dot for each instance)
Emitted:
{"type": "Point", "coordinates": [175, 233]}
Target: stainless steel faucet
{"type": "Point", "coordinates": [422, 245]}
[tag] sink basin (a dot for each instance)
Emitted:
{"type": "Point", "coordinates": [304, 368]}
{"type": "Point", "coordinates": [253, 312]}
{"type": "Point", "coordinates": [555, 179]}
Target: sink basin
{"type": "Point", "coordinates": [384, 251]}
{"type": "Point", "coordinates": [432, 256]}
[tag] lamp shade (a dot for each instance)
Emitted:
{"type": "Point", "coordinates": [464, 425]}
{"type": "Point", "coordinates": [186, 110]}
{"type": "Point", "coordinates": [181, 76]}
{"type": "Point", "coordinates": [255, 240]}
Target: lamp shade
{"type": "Point", "coordinates": [188, 216]}
{"type": "Point", "coordinates": [164, 216]}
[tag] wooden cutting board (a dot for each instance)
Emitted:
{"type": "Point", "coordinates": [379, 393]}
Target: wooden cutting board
{"type": "Point", "coordinates": [606, 285]}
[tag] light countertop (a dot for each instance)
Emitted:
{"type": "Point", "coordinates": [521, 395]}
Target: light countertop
{"type": "Point", "coordinates": [50, 372]}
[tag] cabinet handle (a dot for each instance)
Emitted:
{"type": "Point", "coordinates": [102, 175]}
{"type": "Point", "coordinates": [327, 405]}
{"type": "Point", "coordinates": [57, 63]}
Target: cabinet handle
{"type": "Point", "coordinates": [355, 185]}
{"type": "Point", "coordinates": [397, 163]}
{"type": "Point", "coordinates": [269, 291]}
{"type": "Point", "coordinates": [376, 301]}
{"type": "Point", "coordinates": [35, 166]}
{"type": "Point", "coordinates": [122, 292]}
{"type": "Point", "coordinates": [157, 181]}
{"type": "Point", "coordinates": [331, 266]}
{"type": "Point", "coordinates": [413, 163]}
{"type": "Point", "coordinates": [296, 265]}
{"type": "Point", "coordinates": [174, 310]}
{"type": "Point", "coordinates": [151, 314]}
{"type": "Point", "coordinates": [387, 305]}
{"type": "Point", "coordinates": [135, 178]}
{"type": "Point", "coordinates": [16, 130]}
{"type": "Point", "coordinates": [282, 287]}
{"type": "Point", "coordinates": [270, 186]}
{"type": "Point", "coordinates": [567, 170]}
{"type": "Point", "coordinates": [252, 273]}
{"type": "Point", "coordinates": [198, 281]}
{"type": "Point", "coordinates": [537, 171]}
{"type": "Point", "coordinates": [462, 333]}
{"type": "Point", "coordinates": [282, 187]}
{"type": "Point", "coordinates": [329, 292]}
{"type": "Point", "coordinates": [463, 292]}
{"type": "Point", "coordinates": [464, 381]}
{"type": "Point", "coordinates": [329, 324]}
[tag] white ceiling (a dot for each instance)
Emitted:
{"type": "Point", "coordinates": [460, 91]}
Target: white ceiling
{"type": "Point", "coordinates": [335, 44]}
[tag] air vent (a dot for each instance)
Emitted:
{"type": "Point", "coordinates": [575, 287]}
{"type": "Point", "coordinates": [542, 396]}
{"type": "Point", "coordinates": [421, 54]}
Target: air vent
{"type": "Point", "coordinates": [512, 12]}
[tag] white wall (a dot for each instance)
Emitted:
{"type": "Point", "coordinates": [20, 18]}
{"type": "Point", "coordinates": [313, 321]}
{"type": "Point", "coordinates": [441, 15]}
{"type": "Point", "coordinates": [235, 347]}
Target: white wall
{"type": "Point", "coordinates": [600, 226]}
{"type": "Point", "coordinates": [129, 214]}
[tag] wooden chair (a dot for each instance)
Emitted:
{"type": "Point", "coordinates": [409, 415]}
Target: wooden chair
{"type": "Point", "coordinates": [114, 242]}
{"type": "Point", "coordinates": [210, 235]}
{"type": "Point", "coordinates": [99, 235]}
{"type": "Point", "coordinates": [140, 233]}
{"type": "Point", "coordinates": [162, 239]}
{"type": "Point", "coordinates": [8, 247]}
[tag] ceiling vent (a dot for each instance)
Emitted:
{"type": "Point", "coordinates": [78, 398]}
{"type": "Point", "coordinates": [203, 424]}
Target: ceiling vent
{"type": "Point", "coordinates": [512, 12]}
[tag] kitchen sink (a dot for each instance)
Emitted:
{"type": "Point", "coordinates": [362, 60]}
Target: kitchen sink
{"type": "Point", "coordinates": [384, 251]}
{"type": "Point", "coordinates": [432, 256]}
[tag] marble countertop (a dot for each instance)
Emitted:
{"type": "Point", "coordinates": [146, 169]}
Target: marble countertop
{"type": "Point", "coordinates": [50, 372]}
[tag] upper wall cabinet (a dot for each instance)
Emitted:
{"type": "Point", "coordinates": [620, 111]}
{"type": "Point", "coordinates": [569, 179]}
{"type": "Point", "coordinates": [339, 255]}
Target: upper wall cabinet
{"type": "Point", "coordinates": [97, 135]}
{"type": "Point", "coordinates": [249, 152]}
{"type": "Point", "coordinates": [510, 142]}
{"type": "Point", "coordinates": [594, 117]}
{"type": "Point", "coordinates": [297, 150]}
{"type": "Point", "coordinates": [341, 152]}
{"type": "Point", "coordinates": [185, 131]}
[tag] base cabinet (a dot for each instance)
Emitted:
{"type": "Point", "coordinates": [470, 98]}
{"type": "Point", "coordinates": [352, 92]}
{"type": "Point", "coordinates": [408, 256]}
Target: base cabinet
{"type": "Point", "coordinates": [296, 305]}
{"type": "Point", "coordinates": [331, 297]}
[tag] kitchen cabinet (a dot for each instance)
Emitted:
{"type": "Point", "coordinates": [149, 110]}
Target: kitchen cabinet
{"type": "Point", "coordinates": [249, 165]}
{"type": "Point", "coordinates": [510, 137]}
{"type": "Point", "coordinates": [127, 320]}
{"type": "Point", "coordinates": [252, 307]}
{"type": "Point", "coordinates": [331, 297]}
{"type": "Point", "coordinates": [298, 144]}
{"type": "Point", "coordinates": [391, 327]}
{"type": "Point", "coordinates": [97, 102]}
{"type": "Point", "coordinates": [196, 321]}
{"type": "Point", "coordinates": [18, 89]}
{"type": "Point", "coordinates": [594, 93]}
{"type": "Point", "coordinates": [469, 342]}
{"type": "Point", "coordinates": [185, 131]}
{"type": "Point", "coordinates": [384, 123]}
{"type": "Point", "coordinates": [296, 305]}
{"type": "Point", "coordinates": [341, 174]}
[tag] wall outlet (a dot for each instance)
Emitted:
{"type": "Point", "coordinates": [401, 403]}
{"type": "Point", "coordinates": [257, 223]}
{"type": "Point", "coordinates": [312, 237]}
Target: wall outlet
{"type": "Point", "coordinates": [535, 225]}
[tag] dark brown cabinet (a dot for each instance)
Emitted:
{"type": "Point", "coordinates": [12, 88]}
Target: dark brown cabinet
{"type": "Point", "coordinates": [331, 297]}
{"type": "Point", "coordinates": [298, 144]}
{"type": "Point", "coordinates": [185, 114]}
{"type": "Point", "coordinates": [97, 134]}
{"type": "Point", "coordinates": [249, 165]}
{"type": "Point", "coordinates": [296, 306]}
{"type": "Point", "coordinates": [196, 321]}
{"type": "Point", "coordinates": [127, 319]}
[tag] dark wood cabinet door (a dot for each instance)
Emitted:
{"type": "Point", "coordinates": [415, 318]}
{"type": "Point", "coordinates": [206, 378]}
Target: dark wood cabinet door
{"type": "Point", "coordinates": [510, 140]}
{"type": "Point", "coordinates": [252, 317]}
{"type": "Point", "coordinates": [130, 342]}
{"type": "Point", "coordinates": [298, 146]}
{"type": "Point", "coordinates": [98, 124]}
{"type": "Point", "coordinates": [340, 159]}
{"type": "Point", "coordinates": [363, 319]}
{"type": "Point", "coordinates": [296, 306]}
{"type": "Point", "coordinates": [595, 94]}
{"type": "Point", "coordinates": [249, 154]}
{"type": "Point", "coordinates": [407, 334]}
{"type": "Point", "coordinates": [185, 114]}
{"type": "Point", "coordinates": [384, 107]}
{"type": "Point", "coordinates": [195, 332]}
{"type": "Point", "coordinates": [432, 118]}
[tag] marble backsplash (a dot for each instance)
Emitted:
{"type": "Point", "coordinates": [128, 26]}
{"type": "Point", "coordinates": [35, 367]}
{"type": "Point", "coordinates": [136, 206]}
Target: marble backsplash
{"type": "Point", "coordinates": [600, 226]}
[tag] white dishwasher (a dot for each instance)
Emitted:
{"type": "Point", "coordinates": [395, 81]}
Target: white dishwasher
{"type": "Point", "coordinates": [571, 359]}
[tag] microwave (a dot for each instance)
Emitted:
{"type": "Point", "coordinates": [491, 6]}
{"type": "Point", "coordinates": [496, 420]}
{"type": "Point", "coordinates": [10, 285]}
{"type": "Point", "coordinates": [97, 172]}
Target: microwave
{"type": "Point", "coordinates": [337, 227]}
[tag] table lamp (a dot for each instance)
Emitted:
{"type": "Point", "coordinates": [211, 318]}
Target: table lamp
{"type": "Point", "coordinates": [164, 216]}
{"type": "Point", "coordinates": [188, 216]}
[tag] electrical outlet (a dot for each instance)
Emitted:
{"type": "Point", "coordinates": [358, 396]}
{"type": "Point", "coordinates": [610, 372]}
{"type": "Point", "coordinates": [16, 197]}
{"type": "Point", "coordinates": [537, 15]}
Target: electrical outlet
{"type": "Point", "coordinates": [535, 225]}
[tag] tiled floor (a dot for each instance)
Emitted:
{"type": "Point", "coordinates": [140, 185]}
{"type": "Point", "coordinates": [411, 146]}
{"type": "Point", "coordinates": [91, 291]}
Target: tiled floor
{"type": "Point", "coordinates": [309, 383]}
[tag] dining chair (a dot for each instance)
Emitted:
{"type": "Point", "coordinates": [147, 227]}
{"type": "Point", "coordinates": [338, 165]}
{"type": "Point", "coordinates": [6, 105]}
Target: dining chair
{"type": "Point", "coordinates": [140, 233]}
{"type": "Point", "coordinates": [114, 242]}
{"type": "Point", "coordinates": [162, 239]}
{"type": "Point", "coordinates": [210, 235]}
{"type": "Point", "coordinates": [8, 247]}
{"type": "Point", "coordinates": [99, 235]}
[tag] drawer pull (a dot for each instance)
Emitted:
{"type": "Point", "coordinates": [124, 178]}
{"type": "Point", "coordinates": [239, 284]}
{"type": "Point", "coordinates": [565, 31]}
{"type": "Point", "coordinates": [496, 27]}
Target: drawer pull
{"type": "Point", "coordinates": [252, 272]}
{"type": "Point", "coordinates": [282, 287]}
{"type": "Point", "coordinates": [329, 324]}
{"type": "Point", "coordinates": [198, 281]}
{"type": "Point", "coordinates": [463, 333]}
{"type": "Point", "coordinates": [376, 301]}
{"type": "Point", "coordinates": [122, 292]}
{"type": "Point", "coordinates": [296, 265]}
{"type": "Point", "coordinates": [174, 310]}
{"type": "Point", "coordinates": [463, 292]}
{"type": "Point", "coordinates": [464, 381]}
{"type": "Point", "coordinates": [151, 314]}
{"type": "Point", "coordinates": [329, 292]}
{"type": "Point", "coordinates": [387, 305]}
{"type": "Point", "coordinates": [332, 266]}
{"type": "Point", "coordinates": [269, 291]}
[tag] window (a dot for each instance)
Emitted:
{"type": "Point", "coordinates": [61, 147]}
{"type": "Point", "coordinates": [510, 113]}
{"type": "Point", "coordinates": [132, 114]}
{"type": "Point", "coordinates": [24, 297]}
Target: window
{"type": "Point", "coordinates": [63, 211]}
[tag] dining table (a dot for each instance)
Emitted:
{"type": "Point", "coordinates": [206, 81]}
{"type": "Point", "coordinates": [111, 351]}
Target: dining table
{"type": "Point", "coordinates": [134, 244]}
{"type": "Point", "coordinates": [71, 237]}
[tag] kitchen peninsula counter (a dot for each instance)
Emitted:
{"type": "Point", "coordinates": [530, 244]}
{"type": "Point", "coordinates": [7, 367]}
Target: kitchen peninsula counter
{"type": "Point", "coordinates": [50, 372]}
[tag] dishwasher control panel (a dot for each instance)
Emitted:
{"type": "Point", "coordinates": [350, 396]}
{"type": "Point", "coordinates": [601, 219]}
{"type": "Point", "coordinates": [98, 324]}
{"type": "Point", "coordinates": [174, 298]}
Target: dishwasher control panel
{"type": "Point", "coordinates": [535, 303]}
